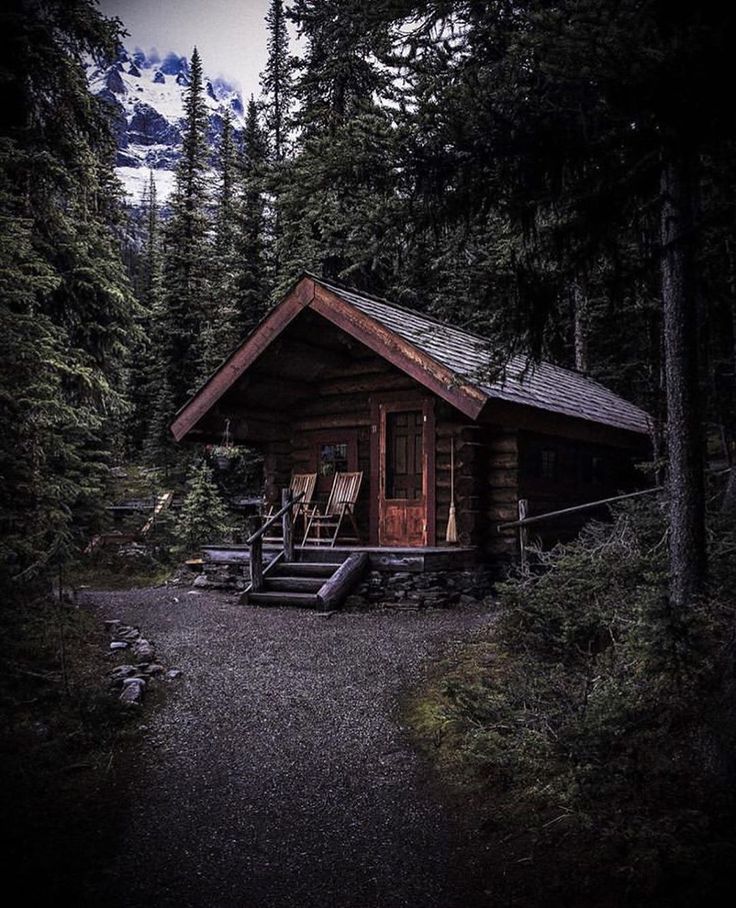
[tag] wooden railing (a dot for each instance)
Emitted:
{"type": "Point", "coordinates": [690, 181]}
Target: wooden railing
{"type": "Point", "coordinates": [257, 529]}
{"type": "Point", "coordinates": [523, 522]}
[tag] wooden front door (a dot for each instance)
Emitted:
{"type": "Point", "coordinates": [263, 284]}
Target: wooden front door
{"type": "Point", "coordinates": [405, 446]}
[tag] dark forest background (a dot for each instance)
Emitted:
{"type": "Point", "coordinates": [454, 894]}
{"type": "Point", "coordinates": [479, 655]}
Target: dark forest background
{"type": "Point", "coordinates": [557, 175]}
{"type": "Point", "coordinates": [506, 167]}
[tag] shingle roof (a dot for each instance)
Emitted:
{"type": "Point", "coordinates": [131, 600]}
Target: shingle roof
{"type": "Point", "coordinates": [541, 385]}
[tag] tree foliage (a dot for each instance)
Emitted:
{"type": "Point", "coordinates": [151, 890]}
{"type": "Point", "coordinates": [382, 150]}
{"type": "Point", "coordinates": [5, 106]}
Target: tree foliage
{"type": "Point", "coordinates": [66, 303]}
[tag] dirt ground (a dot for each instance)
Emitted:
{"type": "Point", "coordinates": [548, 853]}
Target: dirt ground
{"type": "Point", "coordinates": [275, 771]}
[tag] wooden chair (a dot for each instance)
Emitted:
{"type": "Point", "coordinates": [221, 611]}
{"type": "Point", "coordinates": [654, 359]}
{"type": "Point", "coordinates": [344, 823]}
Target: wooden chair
{"type": "Point", "coordinates": [300, 482]}
{"type": "Point", "coordinates": [340, 504]}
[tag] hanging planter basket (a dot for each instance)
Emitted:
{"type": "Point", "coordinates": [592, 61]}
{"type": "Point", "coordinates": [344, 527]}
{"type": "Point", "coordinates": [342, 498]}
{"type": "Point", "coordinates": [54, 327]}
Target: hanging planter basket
{"type": "Point", "coordinates": [224, 454]}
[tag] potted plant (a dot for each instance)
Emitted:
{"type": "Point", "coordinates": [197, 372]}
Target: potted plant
{"type": "Point", "coordinates": [223, 456]}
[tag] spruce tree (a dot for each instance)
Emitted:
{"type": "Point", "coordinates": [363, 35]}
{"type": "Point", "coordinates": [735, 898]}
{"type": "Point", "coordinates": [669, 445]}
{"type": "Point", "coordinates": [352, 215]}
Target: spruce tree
{"type": "Point", "coordinates": [338, 205]}
{"type": "Point", "coordinates": [277, 81]}
{"type": "Point", "coordinates": [251, 274]}
{"type": "Point", "coordinates": [67, 309]}
{"type": "Point", "coordinates": [203, 516]}
{"type": "Point", "coordinates": [143, 372]}
{"type": "Point", "coordinates": [186, 271]}
{"type": "Point", "coordinates": [187, 250]}
{"type": "Point", "coordinates": [220, 330]}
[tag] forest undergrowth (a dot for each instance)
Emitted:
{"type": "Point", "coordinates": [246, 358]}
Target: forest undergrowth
{"type": "Point", "coordinates": [591, 731]}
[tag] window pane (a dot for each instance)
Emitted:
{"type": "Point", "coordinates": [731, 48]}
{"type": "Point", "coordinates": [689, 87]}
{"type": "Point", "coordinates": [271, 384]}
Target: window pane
{"type": "Point", "coordinates": [333, 458]}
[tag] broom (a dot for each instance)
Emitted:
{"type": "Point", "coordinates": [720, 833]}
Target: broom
{"type": "Point", "coordinates": [451, 535]}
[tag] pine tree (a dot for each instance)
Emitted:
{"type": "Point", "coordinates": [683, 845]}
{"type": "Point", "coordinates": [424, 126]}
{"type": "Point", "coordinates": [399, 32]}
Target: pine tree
{"type": "Point", "coordinates": [251, 284]}
{"type": "Point", "coordinates": [203, 516]}
{"type": "Point", "coordinates": [187, 250]}
{"type": "Point", "coordinates": [277, 81]}
{"type": "Point", "coordinates": [221, 330]}
{"type": "Point", "coordinates": [67, 308]}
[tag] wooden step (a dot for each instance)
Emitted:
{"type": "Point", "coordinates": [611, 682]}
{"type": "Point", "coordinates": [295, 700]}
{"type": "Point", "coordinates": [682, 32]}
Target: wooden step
{"type": "Point", "coordinates": [292, 584]}
{"type": "Point", "coordinates": [304, 600]}
{"type": "Point", "coordinates": [306, 569]}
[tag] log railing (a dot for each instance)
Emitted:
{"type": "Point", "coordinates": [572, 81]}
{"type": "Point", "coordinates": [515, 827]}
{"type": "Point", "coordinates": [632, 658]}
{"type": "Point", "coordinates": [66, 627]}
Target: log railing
{"type": "Point", "coordinates": [257, 528]}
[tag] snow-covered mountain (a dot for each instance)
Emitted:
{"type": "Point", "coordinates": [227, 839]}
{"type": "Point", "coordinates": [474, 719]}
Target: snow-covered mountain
{"type": "Point", "coordinates": [146, 92]}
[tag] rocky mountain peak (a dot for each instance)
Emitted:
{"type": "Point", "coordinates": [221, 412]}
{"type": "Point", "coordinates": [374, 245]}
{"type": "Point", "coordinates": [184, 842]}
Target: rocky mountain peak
{"type": "Point", "coordinates": [146, 92]}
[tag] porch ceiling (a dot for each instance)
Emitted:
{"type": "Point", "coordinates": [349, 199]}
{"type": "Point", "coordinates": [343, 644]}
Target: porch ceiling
{"type": "Point", "coordinates": [264, 400]}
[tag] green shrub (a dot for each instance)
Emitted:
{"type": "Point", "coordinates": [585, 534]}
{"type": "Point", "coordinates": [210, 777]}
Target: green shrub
{"type": "Point", "coordinates": [605, 707]}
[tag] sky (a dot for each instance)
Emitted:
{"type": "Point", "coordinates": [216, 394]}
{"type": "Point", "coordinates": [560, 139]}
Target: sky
{"type": "Point", "coordinates": [230, 34]}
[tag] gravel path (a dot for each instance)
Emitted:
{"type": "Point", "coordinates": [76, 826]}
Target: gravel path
{"type": "Point", "coordinates": [275, 773]}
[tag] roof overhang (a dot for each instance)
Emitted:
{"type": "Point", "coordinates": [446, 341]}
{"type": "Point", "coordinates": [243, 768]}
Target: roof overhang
{"type": "Point", "coordinates": [310, 293]}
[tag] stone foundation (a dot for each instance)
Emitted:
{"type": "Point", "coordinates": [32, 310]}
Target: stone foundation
{"type": "Point", "coordinates": [432, 589]}
{"type": "Point", "coordinates": [379, 589]}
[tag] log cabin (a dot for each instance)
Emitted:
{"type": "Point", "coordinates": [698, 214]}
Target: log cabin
{"type": "Point", "coordinates": [334, 380]}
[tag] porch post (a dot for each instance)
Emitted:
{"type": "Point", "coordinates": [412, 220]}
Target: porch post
{"type": "Point", "coordinates": [287, 523]}
{"type": "Point", "coordinates": [256, 554]}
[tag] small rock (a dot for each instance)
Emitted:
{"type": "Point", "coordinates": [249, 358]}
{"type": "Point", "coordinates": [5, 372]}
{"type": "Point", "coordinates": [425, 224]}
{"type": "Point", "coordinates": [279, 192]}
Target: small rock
{"type": "Point", "coordinates": [201, 580]}
{"type": "Point", "coordinates": [132, 694]}
{"type": "Point", "coordinates": [123, 671]}
{"type": "Point", "coordinates": [112, 623]}
{"type": "Point", "coordinates": [153, 669]}
{"type": "Point", "coordinates": [173, 673]}
{"type": "Point", "coordinates": [118, 644]}
{"type": "Point", "coordinates": [135, 680]}
{"type": "Point", "coordinates": [143, 650]}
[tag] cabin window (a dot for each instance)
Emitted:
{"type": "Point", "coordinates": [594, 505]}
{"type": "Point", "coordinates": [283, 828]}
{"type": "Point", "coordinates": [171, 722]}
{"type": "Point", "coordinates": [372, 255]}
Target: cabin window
{"type": "Point", "coordinates": [593, 468]}
{"type": "Point", "coordinates": [333, 458]}
{"type": "Point", "coordinates": [548, 463]}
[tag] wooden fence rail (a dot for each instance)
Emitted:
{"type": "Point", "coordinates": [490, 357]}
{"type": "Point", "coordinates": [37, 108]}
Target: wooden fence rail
{"type": "Point", "coordinates": [524, 521]}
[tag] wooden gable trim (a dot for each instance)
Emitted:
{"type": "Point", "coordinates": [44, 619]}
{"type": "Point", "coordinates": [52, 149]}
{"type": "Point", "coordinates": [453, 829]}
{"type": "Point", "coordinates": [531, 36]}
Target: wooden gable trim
{"type": "Point", "coordinates": [399, 352]}
{"type": "Point", "coordinates": [274, 323]}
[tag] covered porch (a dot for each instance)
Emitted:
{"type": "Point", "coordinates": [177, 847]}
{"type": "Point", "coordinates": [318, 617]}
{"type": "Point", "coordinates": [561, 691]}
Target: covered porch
{"type": "Point", "coordinates": [315, 396]}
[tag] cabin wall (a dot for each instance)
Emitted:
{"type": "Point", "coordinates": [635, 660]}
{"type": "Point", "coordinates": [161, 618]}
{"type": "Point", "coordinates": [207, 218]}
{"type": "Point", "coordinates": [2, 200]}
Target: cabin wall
{"type": "Point", "coordinates": [452, 428]}
{"type": "Point", "coordinates": [340, 412]}
{"type": "Point", "coordinates": [557, 472]}
{"type": "Point", "coordinates": [500, 490]}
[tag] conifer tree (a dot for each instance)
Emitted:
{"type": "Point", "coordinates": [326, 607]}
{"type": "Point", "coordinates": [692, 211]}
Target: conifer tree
{"type": "Point", "coordinates": [187, 250]}
{"type": "Point", "coordinates": [220, 331]}
{"type": "Point", "coordinates": [203, 516]}
{"type": "Point", "coordinates": [277, 81]}
{"type": "Point", "coordinates": [252, 270]}
{"type": "Point", "coordinates": [67, 308]}
{"type": "Point", "coordinates": [338, 205]}
{"type": "Point", "coordinates": [143, 372]}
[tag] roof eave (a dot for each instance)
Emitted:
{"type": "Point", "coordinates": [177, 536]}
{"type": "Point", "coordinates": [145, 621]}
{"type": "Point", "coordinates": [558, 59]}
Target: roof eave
{"type": "Point", "coordinates": [461, 394]}
{"type": "Point", "coordinates": [298, 298]}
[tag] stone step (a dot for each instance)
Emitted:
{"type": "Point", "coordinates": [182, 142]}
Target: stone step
{"type": "Point", "coordinates": [292, 584]}
{"type": "Point", "coordinates": [304, 600]}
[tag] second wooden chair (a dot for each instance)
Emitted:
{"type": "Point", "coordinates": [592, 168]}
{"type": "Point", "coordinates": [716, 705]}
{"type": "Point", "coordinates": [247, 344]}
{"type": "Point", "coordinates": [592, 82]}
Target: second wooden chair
{"type": "Point", "coordinates": [340, 504]}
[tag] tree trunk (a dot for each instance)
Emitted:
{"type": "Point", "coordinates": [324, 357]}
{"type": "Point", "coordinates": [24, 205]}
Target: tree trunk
{"type": "Point", "coordinates": [684, 430]}
{"type": "Point", "coordinates": [580, 325]}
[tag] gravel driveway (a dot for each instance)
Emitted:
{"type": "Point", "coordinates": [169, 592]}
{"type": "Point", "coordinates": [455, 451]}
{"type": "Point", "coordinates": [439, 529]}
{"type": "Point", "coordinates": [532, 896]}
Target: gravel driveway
{"type": "Point", "coordinates": [275, 773]}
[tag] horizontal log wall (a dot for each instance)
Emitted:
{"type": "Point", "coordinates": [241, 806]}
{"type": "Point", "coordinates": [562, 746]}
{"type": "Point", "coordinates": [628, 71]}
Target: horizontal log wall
{"type": "Point", "coordinates": [452, 427]}
{"type": "Point", "coordinates": [341, 404]}
{"type": "Point", "coordinates": [500, 490]}
{"type": "Point", "coordinates": [568, 488]}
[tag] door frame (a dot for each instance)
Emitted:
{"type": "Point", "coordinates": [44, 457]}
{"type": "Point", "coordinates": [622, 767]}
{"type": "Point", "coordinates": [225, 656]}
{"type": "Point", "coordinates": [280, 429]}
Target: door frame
{"type": "Point", "coordinates": [392, 402]}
